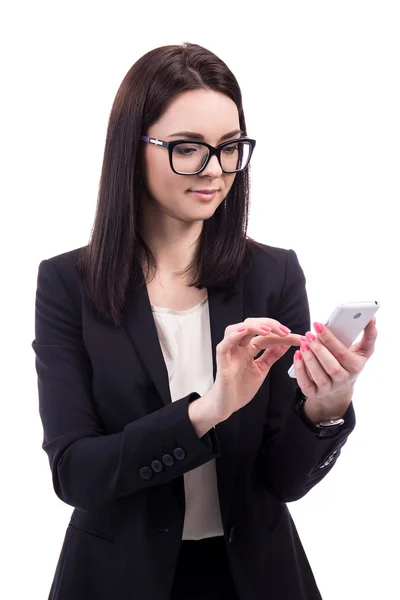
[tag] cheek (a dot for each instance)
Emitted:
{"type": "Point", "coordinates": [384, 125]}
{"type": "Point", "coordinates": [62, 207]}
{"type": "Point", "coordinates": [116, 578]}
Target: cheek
{"type": "Point", "coordinates": [161, 180]}
{"type": "Point", "coordinates": [229, 181]}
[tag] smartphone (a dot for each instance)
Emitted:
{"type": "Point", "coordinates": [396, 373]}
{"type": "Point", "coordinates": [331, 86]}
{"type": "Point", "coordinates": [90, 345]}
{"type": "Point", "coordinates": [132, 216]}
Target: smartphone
{"type": "Point", "coordinates": [347, 322]}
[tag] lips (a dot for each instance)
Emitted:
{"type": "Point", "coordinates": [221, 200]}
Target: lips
{"type": "Point", "coordinates": [205, 195]}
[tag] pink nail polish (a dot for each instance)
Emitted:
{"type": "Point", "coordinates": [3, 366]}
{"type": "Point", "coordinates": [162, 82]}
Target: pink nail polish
{"type": "Point", "coordinates": [303, 337]}
{"type": "Point", "coordinates": [304, 346]}
{"type": "Point", "coordinates": [318, 327]}
{"type": "Point", "coordinates": [265, 328]}
{"type": "Point", "coordinates": [297, 355]}
{"type": "Point", "coordinates": [241, 329]}
{"type": "Point", "coordinates": [310, 336]}
{"type": "Point", "coordinates": [284, 329]}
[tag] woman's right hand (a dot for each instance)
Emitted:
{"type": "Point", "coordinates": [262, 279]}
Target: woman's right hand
{"type": "Point", "coordinates": [239, 376]}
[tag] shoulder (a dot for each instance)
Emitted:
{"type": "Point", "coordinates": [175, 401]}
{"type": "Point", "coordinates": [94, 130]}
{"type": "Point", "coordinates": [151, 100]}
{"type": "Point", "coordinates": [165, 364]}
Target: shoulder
{"type": "Point", "coordinates": [66, 260]}
{"type": "Point", "coordinates": [264, 255]}
{"type": "Point", "coordinates": [62, 269]}
{"type": "Point", "coordinates": [276, 267]}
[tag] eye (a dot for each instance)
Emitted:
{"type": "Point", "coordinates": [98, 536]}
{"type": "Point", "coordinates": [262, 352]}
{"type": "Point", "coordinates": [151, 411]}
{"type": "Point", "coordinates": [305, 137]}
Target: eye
{"type": "Point", "coordinates": [231, 149]}
{"type": "Point", "coordinates": [186, 149]}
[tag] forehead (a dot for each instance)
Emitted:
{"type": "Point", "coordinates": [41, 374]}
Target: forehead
{"type": "Point", "coordinates": [210, 113]}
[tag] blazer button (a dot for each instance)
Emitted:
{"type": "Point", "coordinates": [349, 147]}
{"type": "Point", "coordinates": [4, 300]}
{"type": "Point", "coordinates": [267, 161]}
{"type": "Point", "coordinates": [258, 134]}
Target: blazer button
{"type": "Point", "coordinates": [156, 465]}
{"type": "Point", "coordinates": [145, 473]}
{"type": "Point", "coordinates": [179, 453]}
{"type": "Point", "coordinates": [168, 460]}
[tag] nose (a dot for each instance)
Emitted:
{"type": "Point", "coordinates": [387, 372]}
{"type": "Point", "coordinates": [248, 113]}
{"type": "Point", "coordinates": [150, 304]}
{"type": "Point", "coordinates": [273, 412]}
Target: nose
{"type": "Point", "coordinates": [213, 168]}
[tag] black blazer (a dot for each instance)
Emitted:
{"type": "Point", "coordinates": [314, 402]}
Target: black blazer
{"type": "Point", "coordinates": [109, 423]}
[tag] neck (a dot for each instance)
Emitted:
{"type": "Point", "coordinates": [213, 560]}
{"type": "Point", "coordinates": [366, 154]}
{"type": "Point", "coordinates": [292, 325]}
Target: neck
{"type": "Point", "coordinates": [173, 243]}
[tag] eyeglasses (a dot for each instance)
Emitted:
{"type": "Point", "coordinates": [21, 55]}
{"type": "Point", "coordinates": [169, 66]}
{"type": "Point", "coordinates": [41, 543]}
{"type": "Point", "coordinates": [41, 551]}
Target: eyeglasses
{"type": "Point", "coordinates": [191, 158]}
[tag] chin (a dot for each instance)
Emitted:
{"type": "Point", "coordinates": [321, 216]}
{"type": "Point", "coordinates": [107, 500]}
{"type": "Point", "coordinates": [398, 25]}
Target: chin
{"type": "Point", "coordinates": [201, 214]}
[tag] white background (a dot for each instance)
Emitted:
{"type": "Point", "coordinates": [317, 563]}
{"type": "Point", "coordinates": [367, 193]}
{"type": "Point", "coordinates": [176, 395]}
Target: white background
{"type": "Point", "coordinates": [320, 82]}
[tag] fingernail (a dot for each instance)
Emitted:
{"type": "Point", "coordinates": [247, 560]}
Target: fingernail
{"type": "Point", "coordinates": [318, 327]}
{"type": "Point", "coordinates": [310, 336]}
{"type": "Point", "coordinates": [265, 328]}
{"type": "Point", "coordinates": [304, 347]}
{"type": "Point", "coordinates": [303, 337]}
{"type": "Point", "coordinates": [297, 355]}
{"type": "Point", "coordinates": [241, 329]}
{"type": "Point", "coordinates": [284, 329]}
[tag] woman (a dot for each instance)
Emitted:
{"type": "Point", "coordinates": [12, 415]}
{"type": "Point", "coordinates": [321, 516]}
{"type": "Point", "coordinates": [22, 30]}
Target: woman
{"type": "Point", "coordinates": [162, 350]}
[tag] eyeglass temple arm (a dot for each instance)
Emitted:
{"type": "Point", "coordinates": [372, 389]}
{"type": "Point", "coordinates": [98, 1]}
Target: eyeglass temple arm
{"type": "Point", "coordinates": [154, 141]}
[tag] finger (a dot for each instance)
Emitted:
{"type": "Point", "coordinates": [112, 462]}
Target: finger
{"type": "Point", "coordinates": [259, 331]}
{"type": "Point", "coordinates": [271, 355]}
{"type": "Point", "coordinates": [261, 342]}
{"type": "Point", "coordinates": [255, 333]}
{"type": "Point", "coordinates": [254, 324]}
{"type": "Point", "coordinates": [230, 341]}
{"type": "Point", "coordinates": [343, 356]}
{"type": "Point", "coordinates": [321, 365]}
{"type": "Point", "coordinates": [305, 383]}
{"type": "Point", "coordinates": [366, 346]}
{"type": "Point", "coordinates": [240, 336]}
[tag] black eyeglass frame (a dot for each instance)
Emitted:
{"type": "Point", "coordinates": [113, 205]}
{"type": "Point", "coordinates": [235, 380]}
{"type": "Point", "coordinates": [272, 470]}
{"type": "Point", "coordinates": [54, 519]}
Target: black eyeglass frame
{"type": "Point", "coordinates": [213, 150]}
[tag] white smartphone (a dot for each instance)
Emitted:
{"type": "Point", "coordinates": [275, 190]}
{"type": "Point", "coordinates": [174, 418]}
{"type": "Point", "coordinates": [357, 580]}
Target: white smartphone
{"type": "Point", "coordinates": [347, 322]}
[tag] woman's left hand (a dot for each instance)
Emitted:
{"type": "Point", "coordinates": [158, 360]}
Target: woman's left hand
{"type": "Point", "coordinates": [326, 370]}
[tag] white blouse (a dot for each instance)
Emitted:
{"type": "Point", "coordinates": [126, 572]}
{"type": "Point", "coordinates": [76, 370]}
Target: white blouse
{"type": "Point", "coordinates": [185, 340]}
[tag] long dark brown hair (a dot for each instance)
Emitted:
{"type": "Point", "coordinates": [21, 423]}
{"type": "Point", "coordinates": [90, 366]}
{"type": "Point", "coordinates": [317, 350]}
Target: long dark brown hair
{"type": "Point", "coordinates": [110, 264]}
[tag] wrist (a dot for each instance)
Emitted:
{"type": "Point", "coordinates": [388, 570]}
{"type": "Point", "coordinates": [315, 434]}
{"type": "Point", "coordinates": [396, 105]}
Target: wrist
{"type": "Point", "coordinates": [212, 406]}
{"type": "Point", "coordinates": [323, 426]}
{"type": "Point", "coordinates": [316, 415]}
{"type": "Point", "coordinates": [203, 415]}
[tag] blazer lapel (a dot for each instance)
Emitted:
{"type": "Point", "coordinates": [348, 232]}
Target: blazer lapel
{"type": "Point", "coordinates": [143, 333]}
{"type": "Point", "coordinates": [226, 308]}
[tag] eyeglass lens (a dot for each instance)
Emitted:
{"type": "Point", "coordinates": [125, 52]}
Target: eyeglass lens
{"type": "Point", "coordinates": [189, 157]}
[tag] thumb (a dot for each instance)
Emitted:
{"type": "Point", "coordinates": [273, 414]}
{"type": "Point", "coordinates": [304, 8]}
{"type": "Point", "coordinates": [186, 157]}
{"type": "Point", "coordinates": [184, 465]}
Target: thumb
{"type": "Point", "coordinates": [365, 347]}
{"type": "Point", "coordinates": [271, 355]}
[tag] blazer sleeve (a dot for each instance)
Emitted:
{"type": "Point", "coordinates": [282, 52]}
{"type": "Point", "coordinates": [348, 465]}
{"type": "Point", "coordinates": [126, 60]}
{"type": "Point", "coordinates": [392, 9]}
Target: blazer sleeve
{"type": "Point", "coordinates": [292, 459]}
{"type": "Point", "coordinates": [90, 467]}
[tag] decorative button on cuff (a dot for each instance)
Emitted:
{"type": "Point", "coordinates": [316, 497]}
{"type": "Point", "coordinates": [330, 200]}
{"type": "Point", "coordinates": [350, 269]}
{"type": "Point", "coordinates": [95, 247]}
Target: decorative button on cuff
{"type": "Point", "coordinates": [179, 453]}
{"type": "Point", "coordinates": [156, 465]}
{"type": "Point", "coordinates": [146, 473]}
{"type": "Point", "coordinates": [168, 460]}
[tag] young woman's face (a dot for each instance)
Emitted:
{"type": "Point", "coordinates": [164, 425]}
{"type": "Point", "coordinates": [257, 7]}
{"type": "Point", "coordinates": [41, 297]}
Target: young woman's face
{"type": "Point", "coordinates": [210, 114]}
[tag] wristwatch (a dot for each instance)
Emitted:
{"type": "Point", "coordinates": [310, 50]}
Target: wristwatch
{"type": "Point", "coordinates": [324, 429]}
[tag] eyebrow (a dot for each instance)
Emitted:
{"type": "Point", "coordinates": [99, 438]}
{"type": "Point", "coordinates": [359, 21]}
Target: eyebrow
{"type": "Point", "coordinates": [198, 136]}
